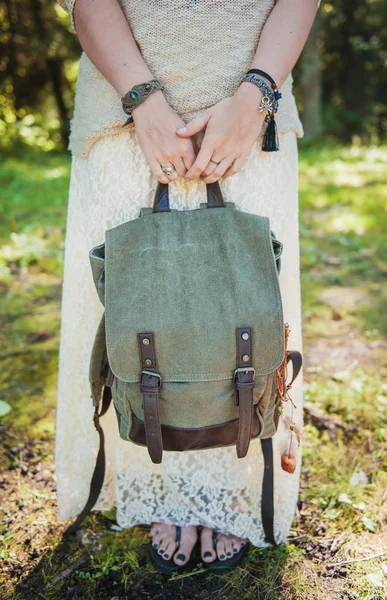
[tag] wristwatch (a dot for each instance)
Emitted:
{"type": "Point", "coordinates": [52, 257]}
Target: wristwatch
{"type": "Point", "coordinates": [137, 94]}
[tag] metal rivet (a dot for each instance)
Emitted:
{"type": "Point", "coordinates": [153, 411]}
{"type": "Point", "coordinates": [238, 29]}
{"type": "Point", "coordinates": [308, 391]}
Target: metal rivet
{"type": "Point", "coordinates": [245, 336]}
{"type": "Point", "coordinates": [145, 341]}
{"type": "Point", "coordinates": [245, 358]}
{"type": "Point", "coordinates": [148, 362]}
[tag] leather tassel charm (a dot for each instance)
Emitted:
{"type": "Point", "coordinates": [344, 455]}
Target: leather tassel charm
{"type": "Point", "coordinates": [270, 140]}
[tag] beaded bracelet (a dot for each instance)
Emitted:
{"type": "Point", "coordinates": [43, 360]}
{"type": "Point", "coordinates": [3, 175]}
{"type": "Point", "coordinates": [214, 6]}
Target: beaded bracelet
{"type": "Point", "coordinates": [274, 87]}
{"type": "Point", "coordinates": [269, 105]}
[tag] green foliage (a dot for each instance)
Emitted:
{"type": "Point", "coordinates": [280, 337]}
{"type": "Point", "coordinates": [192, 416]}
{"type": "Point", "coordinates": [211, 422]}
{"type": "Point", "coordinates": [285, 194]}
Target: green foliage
{"type": "Point", "coordinates": [39, 57]}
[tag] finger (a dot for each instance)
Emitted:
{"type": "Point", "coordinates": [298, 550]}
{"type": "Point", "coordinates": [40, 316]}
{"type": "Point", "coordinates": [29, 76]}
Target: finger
{"type": "Point", "coordinates": [235, 167]}
{"type": "Point", "coordinates": [201, 162]}
{"type": "Point", "coordinates": [194, 126]}
{"type": "Point", "coordinates": [165, 162]}
{"type": "Point", "coordinates": [210, 168]}
{"type": "Point", "coordinates": [156, 170]}
{"type": "Point", "coordinates": [180, 166]}
{"type": "Point", "coordinates": [189, 157]}
{"type": "Point", "coordinates": [219, 170]}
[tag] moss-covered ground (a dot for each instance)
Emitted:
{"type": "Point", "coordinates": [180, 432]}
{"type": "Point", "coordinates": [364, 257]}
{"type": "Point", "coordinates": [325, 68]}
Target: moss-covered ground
{"type": "Point", "coordinates": [338, 543]}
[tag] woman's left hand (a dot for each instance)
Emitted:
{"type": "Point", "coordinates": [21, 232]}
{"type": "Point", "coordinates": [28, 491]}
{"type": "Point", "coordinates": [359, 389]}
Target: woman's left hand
{"type": "Point", "coordinates": [230, 129]}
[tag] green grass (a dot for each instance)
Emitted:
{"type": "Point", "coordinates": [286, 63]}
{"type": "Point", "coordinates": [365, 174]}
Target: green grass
{"type": "Point", "coordinates": [342, 509]}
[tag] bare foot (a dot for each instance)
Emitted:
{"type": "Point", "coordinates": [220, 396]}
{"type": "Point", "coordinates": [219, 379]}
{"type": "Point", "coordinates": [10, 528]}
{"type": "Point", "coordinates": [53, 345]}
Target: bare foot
{"type": "Point", "coordinates": [163, 540]}
{"type": "Point", "coordinates": [226, 545]}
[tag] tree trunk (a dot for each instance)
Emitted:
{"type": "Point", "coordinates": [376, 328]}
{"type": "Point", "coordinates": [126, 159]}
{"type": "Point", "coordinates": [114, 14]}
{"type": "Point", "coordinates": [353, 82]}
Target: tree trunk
{"type": "Point", "coordinates": [54, 71]}
{"type": "Point", "coordinates": [311, 85]}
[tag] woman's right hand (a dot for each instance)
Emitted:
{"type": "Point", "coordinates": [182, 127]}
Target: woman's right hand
{"type": "Point", "coordinates": [155, 125]}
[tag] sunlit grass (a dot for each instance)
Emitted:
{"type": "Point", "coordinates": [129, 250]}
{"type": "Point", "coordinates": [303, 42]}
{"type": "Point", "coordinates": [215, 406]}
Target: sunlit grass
{"type": "Point", "coordinates": [343, 498]}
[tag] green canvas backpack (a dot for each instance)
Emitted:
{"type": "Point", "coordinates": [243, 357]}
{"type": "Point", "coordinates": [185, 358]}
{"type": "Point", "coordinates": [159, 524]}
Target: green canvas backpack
{"type": "Point", "coordinates": [192, 344]}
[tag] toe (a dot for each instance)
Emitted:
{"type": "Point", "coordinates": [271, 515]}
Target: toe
{"type": "Point", "coordinates": [162, 545]}
{"type": "Point", "coordinates": [169, 550]}
{"type": "Point", "coordinates": [157, 540]}
{"type": "Point", "coordinates": [228, 547]}
{"type": "Point", "coordinates": [221, 549]}
{"type": "Point", "coordinates": [167, 543]}
{"type": "Point", "coordinates": [208, 553]}
{"type": "Point", "coordinates": [238, 544]}
{"type": "Point", "coordinates": [183, 554]}
{"type": "Point", "coordinates": [187, 543]}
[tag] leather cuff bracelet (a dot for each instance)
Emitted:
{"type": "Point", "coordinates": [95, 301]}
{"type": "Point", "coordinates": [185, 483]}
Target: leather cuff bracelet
{"type": "Point", "coordinates": [136, 95]}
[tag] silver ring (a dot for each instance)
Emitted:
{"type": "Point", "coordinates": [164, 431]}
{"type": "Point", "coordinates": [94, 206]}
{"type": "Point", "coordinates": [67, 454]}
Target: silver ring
{"type": "Point", "coordinates": [168, 170]}
{"type": "Point", "coordinates": [214, 161]}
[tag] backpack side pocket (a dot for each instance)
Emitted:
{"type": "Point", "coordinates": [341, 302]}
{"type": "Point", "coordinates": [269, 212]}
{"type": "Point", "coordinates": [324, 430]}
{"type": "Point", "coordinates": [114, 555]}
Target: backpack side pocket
{"type": "Point", "coordinates": [266, 408]}
{"type": "Point", "coordinates": [97, 262]}
{"type": "Point", "coordinates": [98, 364]}
{"type": "Point", "coordinates": [122, 407]}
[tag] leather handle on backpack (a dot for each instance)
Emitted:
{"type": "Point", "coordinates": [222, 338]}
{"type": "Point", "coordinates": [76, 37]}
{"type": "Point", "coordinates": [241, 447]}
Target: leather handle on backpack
{"type": "Point", "coordinates": [161, 200]}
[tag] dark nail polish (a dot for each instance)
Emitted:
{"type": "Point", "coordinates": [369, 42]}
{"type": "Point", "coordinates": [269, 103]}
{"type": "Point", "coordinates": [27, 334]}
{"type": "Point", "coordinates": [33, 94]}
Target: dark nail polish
{"type": "Point", "coordinates": [166, 555]}
{"type": "Point", "coordinates": [228, 553]}
{"type": "Point", "coordinates": [155, 545]}
{"type": "Point", "coordinates": [235, 550]}
{"type": "Point", "coordinates": [181, 556]}
{"type": "Point", "coordinates": [161, 551]}
{"type": "Point", "coordinates": [207, 554]}
{"type": "Point", "coordinates": [222, 556]}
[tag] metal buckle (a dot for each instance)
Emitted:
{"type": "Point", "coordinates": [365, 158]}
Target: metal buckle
{"type": "Point", "coordinates": [152, 374]}
{"type": "Point", "coordinates": [244, 370]}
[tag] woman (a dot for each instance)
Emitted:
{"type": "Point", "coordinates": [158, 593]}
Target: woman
{"type": "Point", "coordinates": [203, 127]}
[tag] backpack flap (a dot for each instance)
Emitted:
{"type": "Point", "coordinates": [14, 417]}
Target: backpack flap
{"type": "Point", "coordinates": [191, 278]}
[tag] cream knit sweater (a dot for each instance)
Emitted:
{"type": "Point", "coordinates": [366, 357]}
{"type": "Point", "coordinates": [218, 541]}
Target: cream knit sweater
{"type": "Point", "coordinates": [197, 49]}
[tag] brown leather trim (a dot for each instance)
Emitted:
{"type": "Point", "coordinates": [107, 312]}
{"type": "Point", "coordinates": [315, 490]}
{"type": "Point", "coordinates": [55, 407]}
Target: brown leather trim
{"type": "Point", "coordinates": [244, 386]}
{"type": "Point", "coordinates": [150, 386]}
{"type": "Point", "coordinates": [198, 438]}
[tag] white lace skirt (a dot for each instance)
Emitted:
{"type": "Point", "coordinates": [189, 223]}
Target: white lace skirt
{"type": "Point", "coordinates": [201, 487]}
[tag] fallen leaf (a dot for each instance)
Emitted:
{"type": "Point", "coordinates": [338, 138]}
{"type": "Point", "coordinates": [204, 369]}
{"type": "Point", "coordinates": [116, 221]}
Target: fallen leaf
{"type": "Point", "coordinates": [345, 498]}
{"type": "Point", "coordinates": [369, 523]}
{"type": "Point", "coordinates": [4, 408]}
{"type": "Point", "coordinates": [359, 478]}
{"type": "Point", "coordinates": [377, 579]}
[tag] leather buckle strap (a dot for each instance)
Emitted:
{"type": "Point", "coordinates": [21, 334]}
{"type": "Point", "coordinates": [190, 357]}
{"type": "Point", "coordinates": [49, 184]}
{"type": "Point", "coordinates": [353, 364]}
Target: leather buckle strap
{"type": "Point", "coordinates": [150, 387]}
{"type": "Point", "coordinates": [244, 379]}
{"type": "Point", "coordinates": [150, 382]}
{"type": "Point", "coordinates": [243, 370]}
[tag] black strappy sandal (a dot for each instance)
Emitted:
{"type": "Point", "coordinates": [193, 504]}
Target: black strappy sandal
{"type": "Point", "coordinates": [218, 565]}
{"type": "Point", "coordinates": [169, 566]}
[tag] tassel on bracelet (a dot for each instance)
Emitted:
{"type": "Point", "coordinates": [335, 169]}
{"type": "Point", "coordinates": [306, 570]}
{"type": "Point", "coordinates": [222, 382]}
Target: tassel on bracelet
{"type": "Point", "coordinates": [269, 105]}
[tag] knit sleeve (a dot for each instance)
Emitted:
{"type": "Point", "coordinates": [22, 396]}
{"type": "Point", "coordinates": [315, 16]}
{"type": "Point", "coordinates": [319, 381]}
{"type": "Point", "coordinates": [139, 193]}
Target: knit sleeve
{"type": "Point", "coordinates": [68, 5]}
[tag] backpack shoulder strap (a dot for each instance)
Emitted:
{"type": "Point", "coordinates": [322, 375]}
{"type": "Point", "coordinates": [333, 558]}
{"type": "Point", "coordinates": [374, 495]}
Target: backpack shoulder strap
{"type": "Point", "coordinates": [99, 469]}
{"type": "Point", "coordinates": [267, 501]}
